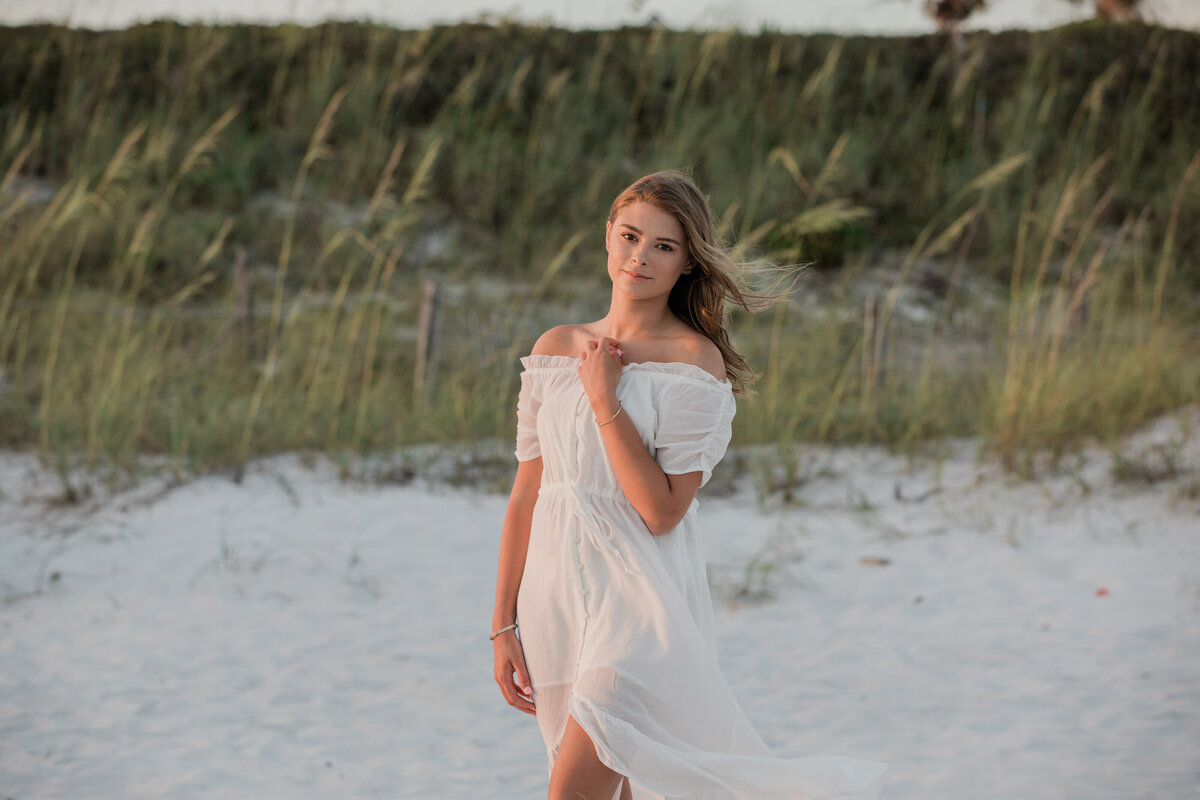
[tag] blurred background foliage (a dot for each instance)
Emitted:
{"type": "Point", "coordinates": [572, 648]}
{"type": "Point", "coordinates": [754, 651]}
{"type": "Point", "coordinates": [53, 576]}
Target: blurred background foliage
{"type": "Point", "coordinates": [1002, 228]}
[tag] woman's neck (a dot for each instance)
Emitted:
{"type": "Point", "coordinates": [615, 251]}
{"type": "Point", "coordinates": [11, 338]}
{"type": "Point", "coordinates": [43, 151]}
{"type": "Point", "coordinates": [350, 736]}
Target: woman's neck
{"type": "Point", "coordinates": [632, 320]}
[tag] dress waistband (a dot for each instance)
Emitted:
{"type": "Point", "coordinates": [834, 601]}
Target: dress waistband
{"type": "Point", "coordinates": [595, 526]}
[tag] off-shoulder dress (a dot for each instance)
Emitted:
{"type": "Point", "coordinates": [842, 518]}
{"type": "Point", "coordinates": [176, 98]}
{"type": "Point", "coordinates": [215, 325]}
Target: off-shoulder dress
{"type": "Point", "coordinates": [617, 624]}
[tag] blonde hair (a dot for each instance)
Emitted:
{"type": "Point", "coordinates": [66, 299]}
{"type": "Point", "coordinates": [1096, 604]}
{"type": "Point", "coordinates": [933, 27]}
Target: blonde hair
{"type": "Point", "coordinates": [699, 296]}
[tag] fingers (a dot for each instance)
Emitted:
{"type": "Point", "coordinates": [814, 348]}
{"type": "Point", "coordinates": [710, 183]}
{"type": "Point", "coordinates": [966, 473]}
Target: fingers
{"type": "Point", "coordinates": [512, 694]}
{"type": "Point", "coordinates": [606, 343]}
{"type": "Point", "coordinates": [523, 676]}
{"type": "Point", "coordinates": [514, 691]}
{"type": "Point", "coordinates": [592, 366]}
{"type": "Point", "coordinates": [520, 701]}
{"type": "Point", "coordinates": [523, 687]}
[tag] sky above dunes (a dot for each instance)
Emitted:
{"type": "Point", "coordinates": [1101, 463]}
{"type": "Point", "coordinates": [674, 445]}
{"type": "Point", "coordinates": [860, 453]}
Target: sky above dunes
{"type": "Point", "coordinates": [842, 16]}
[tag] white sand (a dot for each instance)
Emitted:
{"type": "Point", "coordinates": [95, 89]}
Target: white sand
{"type": "Point", "coordinates": [297, 637]}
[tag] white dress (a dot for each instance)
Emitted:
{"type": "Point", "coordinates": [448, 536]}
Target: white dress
{"type": "Point", "coordinates": [616, 623]}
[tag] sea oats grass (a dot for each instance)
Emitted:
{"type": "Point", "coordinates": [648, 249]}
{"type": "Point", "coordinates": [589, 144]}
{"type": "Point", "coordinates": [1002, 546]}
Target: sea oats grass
{"type": "Point", "coordinates": [1001, 241]}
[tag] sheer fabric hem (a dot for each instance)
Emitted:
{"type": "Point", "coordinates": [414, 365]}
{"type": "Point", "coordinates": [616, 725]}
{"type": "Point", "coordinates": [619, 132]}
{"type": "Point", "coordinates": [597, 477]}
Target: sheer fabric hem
{"type": "Point", "coordinates": [681, 772]}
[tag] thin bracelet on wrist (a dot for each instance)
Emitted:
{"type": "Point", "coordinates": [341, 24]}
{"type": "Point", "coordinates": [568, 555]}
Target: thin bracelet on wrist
{"type": "Point", "coordinates": [620, 408]}
{"type": "Point", "coordinates": [496, 633]}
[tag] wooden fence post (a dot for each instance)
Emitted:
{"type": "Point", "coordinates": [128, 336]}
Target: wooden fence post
{"type": "Point", "coordinates": [874, 354]}
{"type": "Point", "coordinates": [425, 374]}
{"type": "Point", "coordinates": [870, 307]}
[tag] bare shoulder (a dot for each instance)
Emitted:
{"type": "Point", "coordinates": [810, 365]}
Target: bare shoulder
{"type": "Point", "coordinates": [699, 350]}
{"type": "Point", "coordinates": [561, 340]}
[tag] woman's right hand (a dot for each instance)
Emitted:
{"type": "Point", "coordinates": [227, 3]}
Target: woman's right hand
{"type": "Point", "coordinates": [510, 658]}
{"type": "Point", "coordinates": [599, 370]}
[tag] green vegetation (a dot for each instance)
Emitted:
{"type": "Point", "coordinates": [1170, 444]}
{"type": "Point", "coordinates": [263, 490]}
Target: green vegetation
{"type": "Point", "coordinates": [1024, 211]}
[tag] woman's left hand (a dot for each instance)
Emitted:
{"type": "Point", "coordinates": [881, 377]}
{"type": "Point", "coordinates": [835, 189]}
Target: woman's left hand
{"type": "Point", "coordinates": [600, 370]}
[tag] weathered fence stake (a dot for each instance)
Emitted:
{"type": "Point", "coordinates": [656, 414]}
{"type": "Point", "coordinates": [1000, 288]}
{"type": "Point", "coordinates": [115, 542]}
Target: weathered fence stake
{"type": "Point", "coordinates": [425, 375]}
{"type": "Point", "coordinates": [868, 352]}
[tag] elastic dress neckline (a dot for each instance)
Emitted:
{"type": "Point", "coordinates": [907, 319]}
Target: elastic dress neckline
{"type": "Point", "coordinates": [681, 369]}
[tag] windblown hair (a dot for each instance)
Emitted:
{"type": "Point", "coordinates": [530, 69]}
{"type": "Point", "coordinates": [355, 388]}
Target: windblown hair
{"type": "Point", "coordinates": [698, 297]}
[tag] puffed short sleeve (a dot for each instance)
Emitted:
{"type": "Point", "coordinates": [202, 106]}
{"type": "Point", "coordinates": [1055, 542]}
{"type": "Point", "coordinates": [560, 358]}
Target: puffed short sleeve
{"type": "Point", "coordinates": [694, 426]}
{"type": "Point", "coordinates": [529, 401]}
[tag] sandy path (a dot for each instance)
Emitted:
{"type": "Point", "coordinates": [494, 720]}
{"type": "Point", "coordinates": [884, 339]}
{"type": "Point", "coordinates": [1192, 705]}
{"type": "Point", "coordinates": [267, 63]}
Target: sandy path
{"type": "Point", "coordinates": [297, 637]}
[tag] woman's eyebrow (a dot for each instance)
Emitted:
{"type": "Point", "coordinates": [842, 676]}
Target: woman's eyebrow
{"type": "Point", "coordinates": [660, 238]}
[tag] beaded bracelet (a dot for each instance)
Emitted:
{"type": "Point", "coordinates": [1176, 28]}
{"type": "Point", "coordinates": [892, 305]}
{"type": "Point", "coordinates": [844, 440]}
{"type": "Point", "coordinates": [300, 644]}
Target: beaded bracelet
{"type": "Point", "coordinates": [502, 630]}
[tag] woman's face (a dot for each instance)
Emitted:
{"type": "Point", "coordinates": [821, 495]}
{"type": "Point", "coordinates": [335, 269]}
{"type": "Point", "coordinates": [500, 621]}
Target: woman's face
{"type": "Point", "coordinates": [647, 251]}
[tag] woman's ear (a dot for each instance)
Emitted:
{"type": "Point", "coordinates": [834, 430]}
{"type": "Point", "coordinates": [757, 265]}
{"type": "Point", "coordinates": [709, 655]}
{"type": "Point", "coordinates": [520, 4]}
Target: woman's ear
{"type": "Point", "coordinates": [607, 231]}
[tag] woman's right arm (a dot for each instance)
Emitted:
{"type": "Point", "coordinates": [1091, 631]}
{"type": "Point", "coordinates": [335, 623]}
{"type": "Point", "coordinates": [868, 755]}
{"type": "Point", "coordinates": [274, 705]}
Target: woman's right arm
{"type": "Point", "coordinates": [514, 543]}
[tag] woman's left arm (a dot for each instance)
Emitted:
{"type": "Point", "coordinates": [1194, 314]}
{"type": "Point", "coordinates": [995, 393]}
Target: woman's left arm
{"type": "Point", "coordinates": [660, 499]}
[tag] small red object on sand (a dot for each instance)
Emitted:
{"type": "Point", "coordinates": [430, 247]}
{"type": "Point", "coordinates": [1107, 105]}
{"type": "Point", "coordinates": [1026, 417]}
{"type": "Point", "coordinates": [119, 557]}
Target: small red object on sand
{"type": "Point", "coordinates": [1101, 592]}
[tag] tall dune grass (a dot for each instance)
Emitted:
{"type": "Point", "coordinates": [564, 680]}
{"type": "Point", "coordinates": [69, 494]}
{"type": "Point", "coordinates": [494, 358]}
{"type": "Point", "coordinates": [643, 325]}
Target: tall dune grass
{"type": "Point", "coordinates": [1058, 170]}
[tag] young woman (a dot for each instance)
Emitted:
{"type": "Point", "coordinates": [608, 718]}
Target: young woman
{"type": "Point", "coordinates": [619, 422]}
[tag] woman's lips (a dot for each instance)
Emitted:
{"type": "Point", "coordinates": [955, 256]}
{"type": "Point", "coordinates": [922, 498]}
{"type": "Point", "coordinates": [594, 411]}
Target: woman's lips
{"type": "Point", "coordinates": [637, 276]}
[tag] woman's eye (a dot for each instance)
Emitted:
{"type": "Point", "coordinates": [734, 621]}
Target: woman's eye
{"type": "Point", "coordinates": [666, 248]}
{"type": "Point", "coordinates": [629, 237]}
